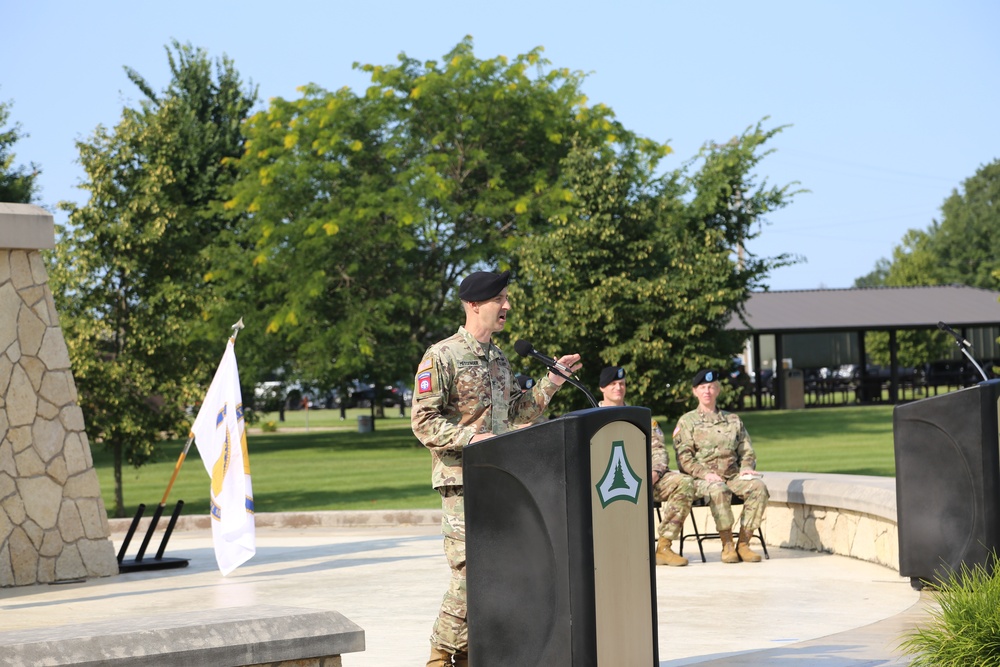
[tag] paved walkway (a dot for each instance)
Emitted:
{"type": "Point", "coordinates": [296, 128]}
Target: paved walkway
{"type": "Point", "coordinates": [798, 608]}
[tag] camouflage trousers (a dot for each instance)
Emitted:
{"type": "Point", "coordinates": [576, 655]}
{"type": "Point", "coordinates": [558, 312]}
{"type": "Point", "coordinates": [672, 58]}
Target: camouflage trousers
{"type": "Point", "coordinates": [720, 496]}
{"type": "Point", "coordinates": [450, 631]}
{"type": "Point", "coordinates": [674, 491]}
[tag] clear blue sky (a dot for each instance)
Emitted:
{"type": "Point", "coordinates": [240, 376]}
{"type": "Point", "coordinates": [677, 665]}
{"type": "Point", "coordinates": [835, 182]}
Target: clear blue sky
{"type": "Point", "coordinates": [891, 104]}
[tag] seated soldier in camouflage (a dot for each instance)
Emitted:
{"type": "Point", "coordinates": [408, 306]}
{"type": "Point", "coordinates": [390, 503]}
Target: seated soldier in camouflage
{"type": "Point", "coordinates": [713, 447]}
{"type": "Point", "coordinates": [674, 490]}
{"type": "Point", "coordinates": [465, 392]}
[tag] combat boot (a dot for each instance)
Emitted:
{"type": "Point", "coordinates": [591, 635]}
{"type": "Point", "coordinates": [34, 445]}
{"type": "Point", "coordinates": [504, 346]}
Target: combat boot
{"type": "Point", "coordinates": [439, 658]}
{"type": "Point", "coordinates": [743, 547]}
{"type": "Point", "coordinates": [462, 659]}
{"type": "Point", "coordinates": [666, 556]}
{"type": "Point", "coordinates": [729, 554]}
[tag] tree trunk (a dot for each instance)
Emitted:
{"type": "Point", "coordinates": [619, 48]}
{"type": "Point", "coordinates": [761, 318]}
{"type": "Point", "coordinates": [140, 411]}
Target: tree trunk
{"type": "Point", "coordinates": [116, 450]}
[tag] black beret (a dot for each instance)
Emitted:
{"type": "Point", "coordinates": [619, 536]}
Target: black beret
{"type": "Point", "coordinates": [482, 285]}
{"type": "Point", "coordinates": [525, 382]}
{"type": "Point", "coordinates": [610, 374]}
{"type": "Point", "coordinates": [706, 375]}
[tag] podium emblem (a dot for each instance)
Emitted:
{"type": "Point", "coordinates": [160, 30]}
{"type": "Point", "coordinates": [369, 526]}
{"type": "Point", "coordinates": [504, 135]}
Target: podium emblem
{"type": "Point", "coordinates": [619, 481]}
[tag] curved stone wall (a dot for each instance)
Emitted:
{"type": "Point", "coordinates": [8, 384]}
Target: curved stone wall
{"type": "Point", "coordinates": [53, 524]}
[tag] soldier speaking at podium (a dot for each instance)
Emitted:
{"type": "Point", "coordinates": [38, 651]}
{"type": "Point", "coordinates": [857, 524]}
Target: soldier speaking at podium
{"type": "Point", "coordinates": [465, 391]}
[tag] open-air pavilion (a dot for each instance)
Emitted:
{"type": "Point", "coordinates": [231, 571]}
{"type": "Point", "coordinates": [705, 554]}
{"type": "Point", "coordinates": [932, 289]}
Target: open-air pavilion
{"type": "Point", "coordinates": [808, 329]}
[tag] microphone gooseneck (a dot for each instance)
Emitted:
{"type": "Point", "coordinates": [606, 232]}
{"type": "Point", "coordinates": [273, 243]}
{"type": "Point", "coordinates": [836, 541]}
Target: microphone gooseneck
{"type": "Point", "coordinates": [964, 346]}
{"type": "Point", "coordinates": [526, 349]}
{"type": "Point", "coordinates": [962, 342]}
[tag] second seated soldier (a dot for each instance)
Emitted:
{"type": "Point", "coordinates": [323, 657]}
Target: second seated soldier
{"type": "Point", "coordinates": [464, 392]}
{"type": "Point", "coordinates": [713, 447]}
{"type": "Point", "coordinates": [673, 490]}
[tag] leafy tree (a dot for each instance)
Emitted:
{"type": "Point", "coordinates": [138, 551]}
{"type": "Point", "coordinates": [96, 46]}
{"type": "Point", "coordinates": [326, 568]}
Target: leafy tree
{"type": "Point", "coordinates": [960, 249]}
{"type": "Point", "coordinates": [18, 185]}
{"type": "Point", "coordinates": [966, 244]}
{"type": "Point", "coordinates": [129, 266]}
{"type": "Point", "coordinates": [646, 272]}
{"type": "Point", "coordinates": [364, 210]}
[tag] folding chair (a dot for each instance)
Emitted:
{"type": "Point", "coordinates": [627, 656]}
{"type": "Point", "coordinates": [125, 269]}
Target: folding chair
{"type": "Point", "coordinates": [701, 537]}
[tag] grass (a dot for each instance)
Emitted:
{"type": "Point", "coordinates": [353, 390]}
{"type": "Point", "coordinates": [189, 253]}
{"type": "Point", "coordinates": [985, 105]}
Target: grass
{"type": "Point", "coordinates": [329, 465]}
{"type": "Point", "coordinates": [849, 440]}
{"type": "Point", "coordinates": [966, 628]}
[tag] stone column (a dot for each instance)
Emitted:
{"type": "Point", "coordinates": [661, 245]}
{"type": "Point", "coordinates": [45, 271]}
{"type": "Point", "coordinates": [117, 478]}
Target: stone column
{"type": "Point", "coordinates": [53, 524]}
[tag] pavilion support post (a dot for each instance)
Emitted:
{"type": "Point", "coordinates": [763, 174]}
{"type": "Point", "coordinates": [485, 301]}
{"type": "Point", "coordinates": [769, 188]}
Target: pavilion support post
{"type": "Point", "coordinates": [893, 368]}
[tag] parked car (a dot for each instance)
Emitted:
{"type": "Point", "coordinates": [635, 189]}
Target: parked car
{"type": "Point", "coordinates": [396, 394]}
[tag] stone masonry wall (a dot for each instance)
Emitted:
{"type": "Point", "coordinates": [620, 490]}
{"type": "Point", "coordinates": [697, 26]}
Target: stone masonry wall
{"type": "Point", "coordinates": [53, 524]}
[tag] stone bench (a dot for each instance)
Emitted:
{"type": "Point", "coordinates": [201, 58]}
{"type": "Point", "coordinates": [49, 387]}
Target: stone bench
{"type": "Point", "coordinates": [848, 515]}
{"type": "Point", "coordinates": [262, 635]}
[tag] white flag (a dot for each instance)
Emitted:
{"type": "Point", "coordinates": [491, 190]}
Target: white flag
{"type": "Point", "coordinates": [221, 439]}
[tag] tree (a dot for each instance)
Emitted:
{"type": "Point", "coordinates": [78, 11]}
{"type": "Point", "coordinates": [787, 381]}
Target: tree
{"type": "Point", "coordinates": [961, 248]}
{"type": "Point", "coordinates": [364, 210]}
{"type": "Point", "coordinates": [129, 266]}
{"type": "Point", "coordinates": [17, 185]}
{"type": "Point", "coordinates": [646, 272]}
{"type": "Point", "coordinates": [966, 244]}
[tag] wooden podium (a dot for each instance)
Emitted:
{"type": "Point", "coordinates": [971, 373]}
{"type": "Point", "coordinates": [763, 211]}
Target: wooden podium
{"type": "Point", "coordinates": [559, 554]}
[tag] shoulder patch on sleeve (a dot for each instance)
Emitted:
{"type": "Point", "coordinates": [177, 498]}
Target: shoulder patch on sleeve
{"type": "Point", "coordinates": [677, 429]}
{"type": "Point", "coordinates": [425, 382]}
{"type": "Point", "coordinates": [426, 364]}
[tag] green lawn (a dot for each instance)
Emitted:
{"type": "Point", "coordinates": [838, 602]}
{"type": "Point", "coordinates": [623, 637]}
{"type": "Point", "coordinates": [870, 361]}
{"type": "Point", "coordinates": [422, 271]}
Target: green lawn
{"type": "Point", "coordinates": [331, 466]}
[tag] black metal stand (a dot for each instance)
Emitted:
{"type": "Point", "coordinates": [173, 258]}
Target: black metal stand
{"type": "Point", "coordinates": [159, 562]}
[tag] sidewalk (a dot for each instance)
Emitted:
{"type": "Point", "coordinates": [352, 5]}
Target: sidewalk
{"type": "Point", "coordinates": [798, 608]}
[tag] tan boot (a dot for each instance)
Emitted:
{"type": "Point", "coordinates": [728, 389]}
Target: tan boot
{"type": "Point", "coordinates": [743, 548]}
{"type": "Point", "coordinates": [461, 660]}
{"type": "Point", "coordinates": [729, 554]}
{"type": "Point", "coordinates": [666, 556]}
{"type": "Point", "coordinates": [439, 658]}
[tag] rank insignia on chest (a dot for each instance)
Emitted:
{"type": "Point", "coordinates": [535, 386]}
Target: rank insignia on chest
{"type": "Point", "coordinates": [425, 382]}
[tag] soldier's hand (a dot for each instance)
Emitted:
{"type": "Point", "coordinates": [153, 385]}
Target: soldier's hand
{"type": "Point", "coordinates": [570, 361]}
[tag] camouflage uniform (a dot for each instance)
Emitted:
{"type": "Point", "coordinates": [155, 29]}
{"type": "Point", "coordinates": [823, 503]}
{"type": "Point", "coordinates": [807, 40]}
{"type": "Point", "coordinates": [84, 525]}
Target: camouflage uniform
{"type": "Point", "coordinates": [458, 384]}
{"type": "Point", "coordinates": [718, 442]}
{"type": "Point", "coordinates": [674, 490]}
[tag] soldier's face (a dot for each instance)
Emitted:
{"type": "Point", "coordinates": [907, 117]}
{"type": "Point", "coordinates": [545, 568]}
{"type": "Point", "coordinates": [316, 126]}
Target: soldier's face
{"type": "Point", "coordinates": [707, 393]}
{"type": "Point", "coordinates": [492, 314]}
{"type": "Point", "coordinates": [614, 393]}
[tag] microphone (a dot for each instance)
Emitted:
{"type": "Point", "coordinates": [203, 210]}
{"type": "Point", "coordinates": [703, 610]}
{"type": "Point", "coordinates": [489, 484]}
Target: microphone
{"type": "Point", "coordinates": [958, 338]}
{"type": "Point", "coordinates": [526, 349]}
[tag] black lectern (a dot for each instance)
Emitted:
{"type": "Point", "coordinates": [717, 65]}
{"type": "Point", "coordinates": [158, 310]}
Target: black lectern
{"type": "Point", "coordinates": [559, 553]}
{"type": "Point", "coordinates": [947, 482]}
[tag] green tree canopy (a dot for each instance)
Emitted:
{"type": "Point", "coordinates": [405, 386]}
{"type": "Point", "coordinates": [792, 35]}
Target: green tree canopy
{"type": "Point", "coordinates": [129, 266]}
{"type": "Point", "coordinates": [962, 248]}
{"type": "Point", "coordinates": [364, 209]}
{"type": "Point", "coordinates": [646, 272]}
{"type": "Point", "coordinates": [18, 185]}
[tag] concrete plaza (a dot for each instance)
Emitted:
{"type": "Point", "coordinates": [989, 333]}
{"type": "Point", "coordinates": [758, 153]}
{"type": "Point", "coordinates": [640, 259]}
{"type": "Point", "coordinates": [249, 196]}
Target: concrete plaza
{"type": "Point", "coordinates": [798, 608]}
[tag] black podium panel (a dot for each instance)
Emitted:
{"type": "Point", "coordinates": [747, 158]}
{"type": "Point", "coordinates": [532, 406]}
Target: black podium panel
{"type": "Point", "coordinates": [947, 481]}
{"type": "Point", "coordinates": [536, 563]}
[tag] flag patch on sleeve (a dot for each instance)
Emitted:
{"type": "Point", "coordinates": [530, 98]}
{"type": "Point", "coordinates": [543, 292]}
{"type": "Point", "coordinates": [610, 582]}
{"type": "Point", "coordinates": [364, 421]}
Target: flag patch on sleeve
{"type": "Point", "coordinates": [425, 382]}
{"type": "Point", "coordinates": [425, 365]}
{"type": "Point", "coordinates": [677, 429]}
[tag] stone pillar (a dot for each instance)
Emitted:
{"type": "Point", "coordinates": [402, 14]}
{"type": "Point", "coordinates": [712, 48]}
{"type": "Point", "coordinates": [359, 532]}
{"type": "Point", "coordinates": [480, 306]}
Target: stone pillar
{"type": "Point", "coordinates": [53, 525]}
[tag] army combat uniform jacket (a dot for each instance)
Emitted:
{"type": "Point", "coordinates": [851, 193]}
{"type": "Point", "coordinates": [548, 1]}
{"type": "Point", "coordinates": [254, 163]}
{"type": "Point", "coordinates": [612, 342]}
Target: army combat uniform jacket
{"type": "Point", "coordinates": [716, 442]}
{"type": "Point", "coordinates": [462, 388]}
